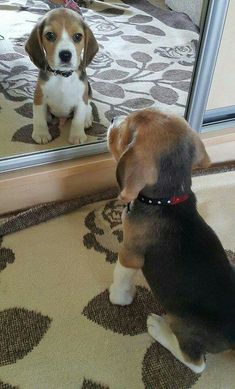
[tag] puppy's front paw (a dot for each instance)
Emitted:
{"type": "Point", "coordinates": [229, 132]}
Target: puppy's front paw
{"type": "Point", "coordinates": [89, 117]}
{"type": "Point", "coordinates": [41, 135]}
{"type": "Point", "coordinates": [118, 296]}
{"type": "Point", "coordinates": [77, 139]}
{"type": "Point", "coordinates": [77, 134]}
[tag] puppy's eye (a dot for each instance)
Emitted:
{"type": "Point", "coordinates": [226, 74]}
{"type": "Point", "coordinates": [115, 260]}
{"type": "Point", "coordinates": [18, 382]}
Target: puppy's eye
{"type": "Point", "coordinates": [77, 37]}
{"type": "Point", "coordinates": [50, 36]}
{"type": "Point", "coordinates": [112, 120]}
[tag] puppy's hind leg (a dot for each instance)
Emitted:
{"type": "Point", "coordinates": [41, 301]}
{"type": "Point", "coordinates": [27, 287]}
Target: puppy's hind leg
{"type": "Point", "coordinates": [160, 330]}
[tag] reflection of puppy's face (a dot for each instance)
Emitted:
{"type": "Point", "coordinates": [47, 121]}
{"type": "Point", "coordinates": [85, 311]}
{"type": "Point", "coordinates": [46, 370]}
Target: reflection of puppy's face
{"type": "Point", "coordinates": [58, 40]}
{"type": "Point", "coordinates": [138, 142]}
{"type": "Point", "coordinates": [63, 40]}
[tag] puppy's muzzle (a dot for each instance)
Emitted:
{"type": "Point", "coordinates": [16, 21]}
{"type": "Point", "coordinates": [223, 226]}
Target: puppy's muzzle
{"type": "Point", "coordinates": [65, 56]}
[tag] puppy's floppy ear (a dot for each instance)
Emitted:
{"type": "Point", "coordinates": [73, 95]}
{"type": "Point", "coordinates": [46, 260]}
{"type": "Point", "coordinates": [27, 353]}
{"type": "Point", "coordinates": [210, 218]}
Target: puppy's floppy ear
{"type": "Point", "coordinates": [34, 46]}
{"type": "Point", "coordinates": [90, 46]}
{"type": "Point", "coordinates": [201, 158]}
{"type": "Point", "coordinates": [135, 170]}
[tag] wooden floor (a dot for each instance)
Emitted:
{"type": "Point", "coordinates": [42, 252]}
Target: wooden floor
{"type": "Point", "coordinates": [66, 180]}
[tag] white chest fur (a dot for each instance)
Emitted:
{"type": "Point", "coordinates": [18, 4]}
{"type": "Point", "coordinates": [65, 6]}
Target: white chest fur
{"type": "Point", "coordinates": [63, 94]}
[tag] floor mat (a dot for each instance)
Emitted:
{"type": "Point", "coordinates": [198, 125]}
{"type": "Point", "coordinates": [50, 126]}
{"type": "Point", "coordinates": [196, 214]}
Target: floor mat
{"type": "Point", "coordinates": [57, 327]}
{"type": "Point", "coordinates": [145, 59]}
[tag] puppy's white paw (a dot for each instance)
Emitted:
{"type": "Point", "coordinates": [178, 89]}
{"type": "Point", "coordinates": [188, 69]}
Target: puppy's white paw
{"type": "Point", "coordinates": [41, 135]}
{"type": "Point", "coordinates": [118, 296]}
{"type": "Point", "coordinates": [89, 117]}
{"type": "Point", "coordinates": [77, 139]}
{"type": "Point", "coordinates": [198, 369]}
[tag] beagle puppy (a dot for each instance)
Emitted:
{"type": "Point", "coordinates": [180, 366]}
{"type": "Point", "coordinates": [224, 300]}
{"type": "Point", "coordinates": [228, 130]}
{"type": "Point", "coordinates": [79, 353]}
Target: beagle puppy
{"type": "Point", "coordinates": [181, 257]}
{"type": "Point", "coordinates": [55, 46]}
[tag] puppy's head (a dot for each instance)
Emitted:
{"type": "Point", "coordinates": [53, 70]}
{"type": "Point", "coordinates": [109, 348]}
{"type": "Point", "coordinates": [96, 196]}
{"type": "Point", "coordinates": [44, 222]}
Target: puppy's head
{"type": "Point", "coordinates": [58, 40]}
{"type": "Point", "coordinates": [140, 141]}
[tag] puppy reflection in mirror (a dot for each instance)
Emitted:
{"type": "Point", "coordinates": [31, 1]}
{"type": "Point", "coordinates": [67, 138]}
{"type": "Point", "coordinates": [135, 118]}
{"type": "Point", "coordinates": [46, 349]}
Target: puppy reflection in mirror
{"type": "Point", "coordinates": [181, 257]}
{"type": "Point", "coordinates": [62, 45]}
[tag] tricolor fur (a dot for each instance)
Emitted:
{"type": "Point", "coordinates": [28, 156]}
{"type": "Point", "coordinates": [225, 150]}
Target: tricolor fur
{"type": "Point", "coordinates": [180, 255]}
{"type": "Point", "coordinates": [63, 42]}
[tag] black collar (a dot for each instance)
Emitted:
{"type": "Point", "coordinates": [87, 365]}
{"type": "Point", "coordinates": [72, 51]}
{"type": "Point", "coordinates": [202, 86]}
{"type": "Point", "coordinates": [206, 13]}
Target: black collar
{"type": "Point", "coordinates": [60, 72]}
{"type": "Point", "coordinates": [174, 200]}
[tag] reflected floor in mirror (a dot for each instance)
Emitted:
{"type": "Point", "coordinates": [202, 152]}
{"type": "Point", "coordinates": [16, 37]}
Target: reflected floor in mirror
{"type": "Point", "coordinates": [145, 59]}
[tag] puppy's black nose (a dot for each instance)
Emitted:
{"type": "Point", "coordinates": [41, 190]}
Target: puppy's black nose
{"type": "Point", "coordinates": [65, 55]}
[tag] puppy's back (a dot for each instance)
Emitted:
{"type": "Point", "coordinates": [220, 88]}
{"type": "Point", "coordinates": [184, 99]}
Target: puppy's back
{"type": "Point", "coordinates": [187, 267]}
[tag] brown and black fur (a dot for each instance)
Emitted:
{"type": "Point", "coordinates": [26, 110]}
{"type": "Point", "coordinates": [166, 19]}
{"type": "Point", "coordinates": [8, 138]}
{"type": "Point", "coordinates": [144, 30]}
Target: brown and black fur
{"type": "Point", "coordinates": [188, 270]}
{"type": "Point", "coordinates": [181, 257]}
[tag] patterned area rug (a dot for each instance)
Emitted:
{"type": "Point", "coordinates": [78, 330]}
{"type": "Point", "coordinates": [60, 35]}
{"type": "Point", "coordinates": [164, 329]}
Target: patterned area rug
{"type": "Point", "coordinates": [57, 327]}
{"type": "Point", "coordinates": [145, 59]}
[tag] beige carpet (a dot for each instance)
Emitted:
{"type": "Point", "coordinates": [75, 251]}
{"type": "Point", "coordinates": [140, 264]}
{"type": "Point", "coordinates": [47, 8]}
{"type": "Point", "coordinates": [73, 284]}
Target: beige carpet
{"type": "Point", "coordinates": [57, 327]}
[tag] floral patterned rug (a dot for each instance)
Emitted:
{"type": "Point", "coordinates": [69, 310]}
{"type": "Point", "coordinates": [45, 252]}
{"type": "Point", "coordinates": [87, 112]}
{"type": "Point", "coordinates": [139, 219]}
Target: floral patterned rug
{"type": "Point", "coordinates": [145, 59]}
{"type": "Point", "coordinates": [57, 327]}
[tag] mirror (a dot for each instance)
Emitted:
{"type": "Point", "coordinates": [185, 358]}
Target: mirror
{"type": "Point", "coordinates": [146, 58]}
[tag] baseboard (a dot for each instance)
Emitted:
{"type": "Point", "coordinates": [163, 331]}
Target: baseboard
{"type": "Point", "coordinates": [55, 182]}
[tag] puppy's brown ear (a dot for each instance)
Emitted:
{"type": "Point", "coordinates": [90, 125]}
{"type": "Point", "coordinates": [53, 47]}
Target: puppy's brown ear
{"type": "Point", "coordinates": [134, 171]}
{"type": "Point", "coordinates": [201, 158]}
{"type": "Point", "coordinates": [34, 46]}
{"type": "Point", "coordinates": [90, 46]}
